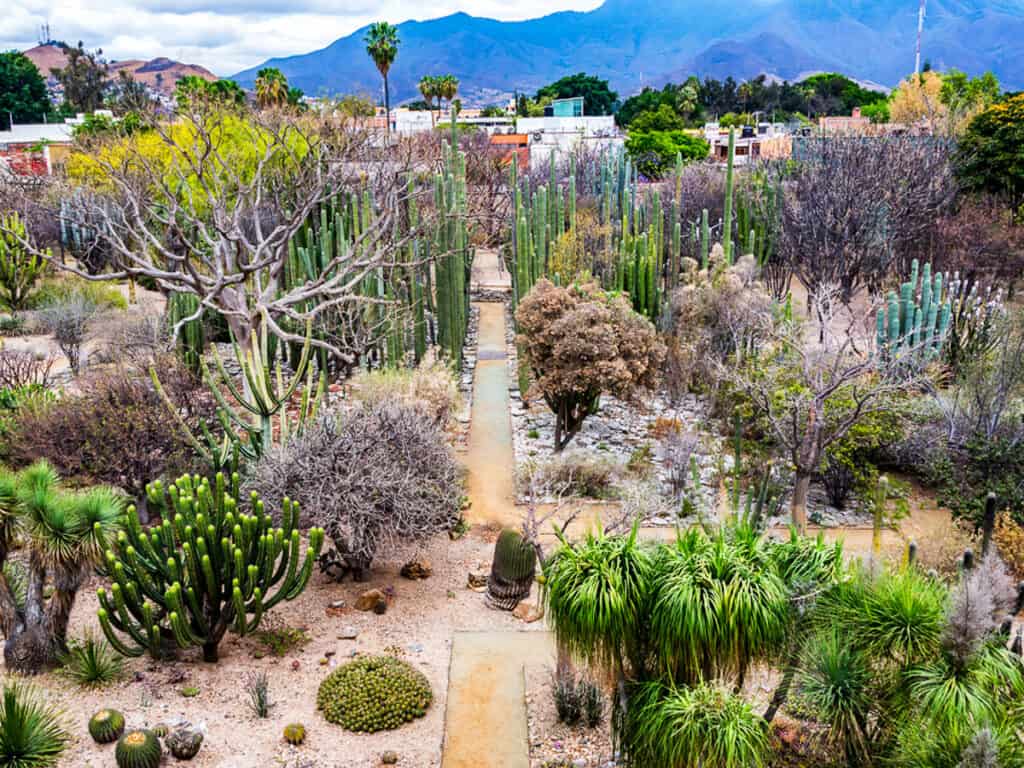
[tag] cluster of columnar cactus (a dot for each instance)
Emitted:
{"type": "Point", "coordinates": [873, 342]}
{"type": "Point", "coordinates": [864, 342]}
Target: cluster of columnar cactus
{"type": "Point", "coordinates": [207, 568]}
{"type": "Point", "coordinates": [642, 231]}
{"type": "Point", "coordinates": [19, 269]}
{"type": "Point", "coordinates": [914, 323]}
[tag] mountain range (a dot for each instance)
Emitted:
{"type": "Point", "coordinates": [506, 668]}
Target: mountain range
{"type": "Point", "coordinates": [634, 43]}
{"type": "Point", "coordinates": [160, 73]}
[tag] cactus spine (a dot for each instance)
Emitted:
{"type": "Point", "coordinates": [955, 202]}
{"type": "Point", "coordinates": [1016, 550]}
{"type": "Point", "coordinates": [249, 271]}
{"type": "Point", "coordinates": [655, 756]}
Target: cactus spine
{"type": "Point", "coordinates": [207, 568]}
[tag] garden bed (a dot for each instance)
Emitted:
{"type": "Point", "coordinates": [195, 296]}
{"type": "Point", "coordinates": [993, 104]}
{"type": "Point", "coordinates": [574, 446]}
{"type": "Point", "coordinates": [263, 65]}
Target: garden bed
{"type": "Point", "coordinates": [418, 627]}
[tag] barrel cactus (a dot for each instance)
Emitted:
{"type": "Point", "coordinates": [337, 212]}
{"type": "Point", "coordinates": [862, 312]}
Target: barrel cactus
{"type": "Point", "coordinates": [184, 743]}
{"type": "Point", "coordinates": [512, 571]}
{"type": "Point", "coordinates": [295, 733]}
{"type": "Point", "coordinates": [138, 749]}
{"type": "Point", "coordinates": [106, 726]}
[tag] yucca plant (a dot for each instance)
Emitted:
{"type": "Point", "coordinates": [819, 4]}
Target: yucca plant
{"type": "Point", "coordinates": [695, 727]}
{"type": "Point", "coordinates": [91, 662]}
{"type": "Point", "coordinates": [64, 533]}
{"type": "Point", "coordinates": [31, 734]}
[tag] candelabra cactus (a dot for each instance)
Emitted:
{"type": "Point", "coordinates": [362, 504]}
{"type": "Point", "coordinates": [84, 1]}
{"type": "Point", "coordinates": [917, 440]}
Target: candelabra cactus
{"type": "Point", "coordinates": [207, 568]}
{"type": "Point", "coordinates": [19, 269]}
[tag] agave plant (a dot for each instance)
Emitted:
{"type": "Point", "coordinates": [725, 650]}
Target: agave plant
{"type": "Point", "coordinates": [31, 735]}
{"type": "Point", "coordinates": [91, 662]}
{"type": "Point", "coordinates": [65, 533]}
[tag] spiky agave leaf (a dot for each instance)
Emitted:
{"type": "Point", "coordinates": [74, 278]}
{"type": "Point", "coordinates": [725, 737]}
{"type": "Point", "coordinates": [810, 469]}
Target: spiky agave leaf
{"type": "Point", "coordinates": [693, 728]}
{"type": "Point", "coordinates": [31, 735]}
{"type": "Point", "coordinates": [9, 520]}
{"type": "Point", "coordinates": [97, 514]}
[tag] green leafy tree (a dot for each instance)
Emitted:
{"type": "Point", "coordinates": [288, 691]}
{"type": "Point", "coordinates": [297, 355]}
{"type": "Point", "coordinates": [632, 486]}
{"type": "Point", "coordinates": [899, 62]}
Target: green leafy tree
{"type": "Point", "coordinates": [877, 112]}
{"type": "Point", "coordinates": [964, 97]}
{"type": "Point", "coordinates": [598, 97]}
{"type": "Point", "coordinates": [382, 46]}
{"type": "Point", "coordinates": [84, 78]}
{"type": "Point", "coordinates": [192, 87]}
{"type": "Point", "coordinates": [664, 118]}
{"type": "Point", "coordinates": [990, 155]}
{"type": "Point", "coordinates": [22, 91]}
{"type": "Point", "coordinates": [655, 152]}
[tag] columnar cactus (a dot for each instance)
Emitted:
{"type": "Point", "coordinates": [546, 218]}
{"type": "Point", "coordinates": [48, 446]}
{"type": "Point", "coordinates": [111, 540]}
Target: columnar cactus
{"type": "Point", "coordinates": [19, 269]}
{"type": "Point", "coordinates": [207, 568]}
{"type": "Point", "coordinates": [914, 324]}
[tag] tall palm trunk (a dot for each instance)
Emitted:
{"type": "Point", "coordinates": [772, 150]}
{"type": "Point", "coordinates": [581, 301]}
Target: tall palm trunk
{"type": "Point", "coordinates": [387, 106]}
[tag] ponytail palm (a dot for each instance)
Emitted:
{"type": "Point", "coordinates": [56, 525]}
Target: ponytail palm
{"type": "Point", "coordinates": [595, 593]}
{"type": "Point", "coordinates": [65, 533]}
{"type": "Point", "coordinates": [696, 727]}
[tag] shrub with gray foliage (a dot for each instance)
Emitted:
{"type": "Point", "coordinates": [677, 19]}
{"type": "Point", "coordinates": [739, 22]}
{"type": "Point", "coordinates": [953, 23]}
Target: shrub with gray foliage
{"type": "Point", "coordinates": [68, 320]}
{"type": "Point", "coordinates": [373, 478]}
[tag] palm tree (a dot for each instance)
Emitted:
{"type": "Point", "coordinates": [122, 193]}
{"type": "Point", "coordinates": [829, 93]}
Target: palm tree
{"type": "Point", "coordinates": [65, 534]}
{"type": "Point", "coordinates": [382, 45]}
{"type": "Point", "coordinates": [429, 90]}
{"type": "Point", "coordinates": [271, 88]}
{"type": "Point", "coordinates": [448, 87]}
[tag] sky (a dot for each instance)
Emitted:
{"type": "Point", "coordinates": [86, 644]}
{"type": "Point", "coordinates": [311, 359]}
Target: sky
{"type": "Point", "coordinates": [226, 36]}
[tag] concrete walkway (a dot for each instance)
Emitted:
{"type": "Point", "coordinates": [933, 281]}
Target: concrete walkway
{"type": "Point", "coordinates": [485, 723]}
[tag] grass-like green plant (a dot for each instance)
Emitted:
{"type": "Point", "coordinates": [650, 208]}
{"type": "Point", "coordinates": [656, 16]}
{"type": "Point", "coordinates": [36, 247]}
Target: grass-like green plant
{"type": "Point", "coordinates": [31, 734]}
{"type": "Point", "coordinates": [91, 662]}
{"type": "Point", "coordinates": [257, 686]}
{"type": "Point", "coordinates": [595, 593]}
{"type": "Point", "coordinates": [279, 639]}
{"type": "Point", "coordinates": [694, 727]}
{"type": "Point", "coordinates": [835, 682]}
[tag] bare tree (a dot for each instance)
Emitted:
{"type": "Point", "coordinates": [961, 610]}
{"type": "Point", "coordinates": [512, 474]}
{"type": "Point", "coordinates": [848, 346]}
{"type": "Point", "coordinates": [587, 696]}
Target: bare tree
{"type": "Point", "coordinates": [817, 380]}
{"type": "Point", "coordinates": [214, 214]}
{"type": "Point", "coordinates": [856, 205]}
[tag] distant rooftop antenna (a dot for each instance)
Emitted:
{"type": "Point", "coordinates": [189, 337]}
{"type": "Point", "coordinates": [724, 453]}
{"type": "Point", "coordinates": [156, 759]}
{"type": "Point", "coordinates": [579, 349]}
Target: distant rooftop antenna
{"type": "Point", "coordinates": [44, 33]}
{"type": "Point", "coordinates": [920, 32]}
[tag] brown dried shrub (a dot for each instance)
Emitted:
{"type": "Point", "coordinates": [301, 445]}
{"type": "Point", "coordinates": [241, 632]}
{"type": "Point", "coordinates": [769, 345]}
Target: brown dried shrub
{"type": "Point", "coordinates": [581, 343]}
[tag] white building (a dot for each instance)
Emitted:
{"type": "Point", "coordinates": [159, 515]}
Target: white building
{"type": "Point", "coordinates": [564, 134]}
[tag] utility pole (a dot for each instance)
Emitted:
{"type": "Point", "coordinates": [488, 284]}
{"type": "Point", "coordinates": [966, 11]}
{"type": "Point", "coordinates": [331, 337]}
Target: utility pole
{"type": "Point", "coordinates": [920, 32]}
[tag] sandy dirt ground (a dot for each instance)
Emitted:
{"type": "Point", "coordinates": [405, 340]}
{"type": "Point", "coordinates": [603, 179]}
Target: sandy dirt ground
{"type": "Point", "coordinates": [419, 625]}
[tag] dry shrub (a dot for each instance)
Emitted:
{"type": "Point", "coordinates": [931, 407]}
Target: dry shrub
{"type": "Point", "coordinates": [663, 426]}
{"type": "Point", "coordinates": [575, 473]}
{"type": "Point", "coordinates": [375, 478]}
{"type": "Point", "coordinates": [1009, 538]}
{"type": "Point", "coordinates": [581, 343]}
{"type": "Point", "coordinates": [719, 314]}
{"type": "Point", "coordinates": [21, 368]}
{"type": "Point", "coordinates": [431, 388]}
{"type": "Point", "coordinates": [943, 553]}
{"type": "Point", "coordinates": [117, 432]}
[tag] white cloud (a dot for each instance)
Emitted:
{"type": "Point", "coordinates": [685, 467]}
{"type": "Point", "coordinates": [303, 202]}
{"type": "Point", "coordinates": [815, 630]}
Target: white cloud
{"type": "Point", "coordinates": [230, 35]}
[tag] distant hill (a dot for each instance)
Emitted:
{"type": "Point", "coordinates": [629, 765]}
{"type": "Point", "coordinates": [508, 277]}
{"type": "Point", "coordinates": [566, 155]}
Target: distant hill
{"type": "Point", "coordinates": [160, 73]}
{"type": "Point", "coordinates": [645, 42]}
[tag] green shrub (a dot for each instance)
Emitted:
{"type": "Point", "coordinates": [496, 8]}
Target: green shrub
{"type": "Point", "coordinates": [655, 152]}
{"type": "Point", "coordinates": [374, 694]}
{"type": "Point", "coordinates": [59, 289]}
{"type": "Point", "coordinates": [693, 727]}
{"type": "Point", "coordinates": [279, 638]}
{"type": "Point", "coordinates": [91, 662]}
{"type": "Point", "coordinates": [31, 735]}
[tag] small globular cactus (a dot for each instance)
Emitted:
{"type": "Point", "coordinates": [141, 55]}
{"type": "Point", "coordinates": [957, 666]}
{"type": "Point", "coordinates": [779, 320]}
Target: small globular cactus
{"type": "Point", "coordinates": [161, 730]}
{"type": "Point", "coordinates": [138, 749]}
{"type": "Point", "coordinates": [106, 726]}
{"type": "Point", "coordinates": [295, 734]}
{"type": "Point", "coordinates": [184, 743]}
